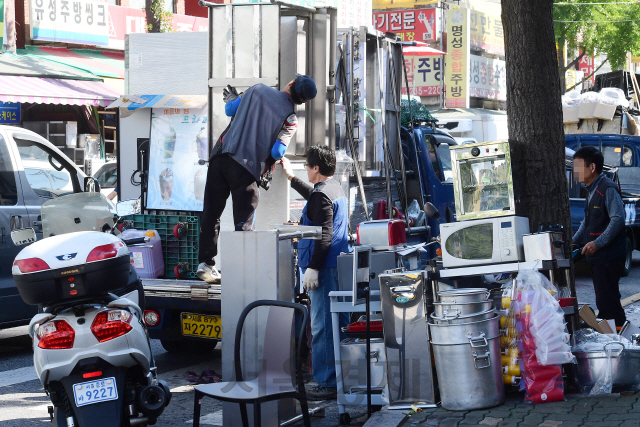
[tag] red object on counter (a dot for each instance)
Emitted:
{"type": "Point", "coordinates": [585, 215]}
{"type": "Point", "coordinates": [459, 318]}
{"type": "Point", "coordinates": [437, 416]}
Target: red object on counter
{"type": "Point", "coordinates": [374, 326]}
{"type": "Point", "coordinates": [566, 302]}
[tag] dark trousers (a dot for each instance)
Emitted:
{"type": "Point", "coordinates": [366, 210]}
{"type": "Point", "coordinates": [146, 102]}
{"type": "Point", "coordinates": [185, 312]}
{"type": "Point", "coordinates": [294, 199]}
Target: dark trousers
{"type": "Point", "coordinates": [226, 177]}
{"type": "Point", "coordinates": [606, 276]}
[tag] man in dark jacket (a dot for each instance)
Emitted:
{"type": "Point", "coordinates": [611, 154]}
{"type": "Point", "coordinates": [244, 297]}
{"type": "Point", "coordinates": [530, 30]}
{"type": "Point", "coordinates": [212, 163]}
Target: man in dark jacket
{"type": "Point", "coordinates": [602, 232]}
{"type": "Point", "coordinates": [262, 126]}
{"type": "Point", "coordinates": [327, 207]}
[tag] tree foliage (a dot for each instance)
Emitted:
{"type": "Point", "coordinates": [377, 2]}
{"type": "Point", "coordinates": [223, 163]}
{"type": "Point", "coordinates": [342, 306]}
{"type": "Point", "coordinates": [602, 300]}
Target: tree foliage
{"type": "Point", "coordinates": [595, 27]}
{"type": "Point", "coordinates": [158, 20]}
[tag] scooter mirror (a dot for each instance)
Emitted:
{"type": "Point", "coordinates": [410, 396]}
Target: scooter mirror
{"type": "Point", "coordinates": [23, 236]}
{"type": "Point", "coordinates": [128, 207]}
{"type": "Point", "coordinates": [431, 210]}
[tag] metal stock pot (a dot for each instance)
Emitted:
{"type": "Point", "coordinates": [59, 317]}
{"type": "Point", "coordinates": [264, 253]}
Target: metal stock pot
{"type": "Point", "coordinates": [457, 296]}
{"type": "Point", "coordinates": [462, 309]}
{"type": "Point", "coordinates": [456, 318]}
{"type": "Point", "coordinates": [625, 367]}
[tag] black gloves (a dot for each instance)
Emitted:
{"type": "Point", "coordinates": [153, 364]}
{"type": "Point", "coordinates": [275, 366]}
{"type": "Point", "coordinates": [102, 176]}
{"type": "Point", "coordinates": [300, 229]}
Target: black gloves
{"type": "Point", "coordinates": [230, 93]}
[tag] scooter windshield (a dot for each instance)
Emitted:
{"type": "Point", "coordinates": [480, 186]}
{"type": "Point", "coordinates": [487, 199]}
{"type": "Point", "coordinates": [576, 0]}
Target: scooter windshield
{"type": "Point", "coordinates": [76, 212]}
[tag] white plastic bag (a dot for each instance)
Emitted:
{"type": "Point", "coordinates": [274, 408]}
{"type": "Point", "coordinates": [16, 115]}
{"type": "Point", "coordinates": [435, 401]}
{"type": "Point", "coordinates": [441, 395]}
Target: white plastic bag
{"type": "Point", "coordinates": [613, 96]}
{"type": "Point", "coordinates": [571, 98]}
{"type": "Point", "coordinates": [590, 98]}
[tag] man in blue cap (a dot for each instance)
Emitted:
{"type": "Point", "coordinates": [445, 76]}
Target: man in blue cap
{"type": "Point", "coordinates": [263, 122]}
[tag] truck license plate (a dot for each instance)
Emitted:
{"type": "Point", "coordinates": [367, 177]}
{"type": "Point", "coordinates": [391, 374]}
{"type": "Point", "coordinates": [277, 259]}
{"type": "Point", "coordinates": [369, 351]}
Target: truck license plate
{"type": "Point", "coordinates": [95, 391]}
{"type": "Point", "coordinates": [200, 325]}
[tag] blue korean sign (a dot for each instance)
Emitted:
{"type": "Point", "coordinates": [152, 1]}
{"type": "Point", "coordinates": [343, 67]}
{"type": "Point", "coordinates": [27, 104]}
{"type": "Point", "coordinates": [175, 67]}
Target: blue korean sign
{"type": "Point", "coordinates": [9, 113]}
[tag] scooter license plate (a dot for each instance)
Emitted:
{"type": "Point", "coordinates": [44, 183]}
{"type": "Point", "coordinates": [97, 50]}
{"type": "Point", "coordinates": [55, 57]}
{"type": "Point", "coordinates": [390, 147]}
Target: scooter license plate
{"type": "Point", "coordinates": [201, 325]}
{"type": "Point", "coordinates": [96, 391]}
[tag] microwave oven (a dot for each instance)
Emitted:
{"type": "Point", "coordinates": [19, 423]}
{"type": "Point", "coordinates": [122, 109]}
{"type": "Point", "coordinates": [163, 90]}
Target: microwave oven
{"type": "Point", "coordinates": [483, 241]}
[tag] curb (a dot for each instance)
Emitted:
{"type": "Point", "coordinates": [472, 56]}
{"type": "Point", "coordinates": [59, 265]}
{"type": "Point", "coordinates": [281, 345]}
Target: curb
{"type": "Point", "coordinates": [630, 300]}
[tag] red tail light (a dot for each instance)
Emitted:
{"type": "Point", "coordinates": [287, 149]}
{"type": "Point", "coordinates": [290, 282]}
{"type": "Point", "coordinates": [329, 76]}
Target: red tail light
{"type": "Point", "coordinates": [56, 335]}
{"type": "Point", "coordinates": [104, 251]}
{"type": "Point", "coordinates": [151, 317]}
{"type": "Point", "coordinates": [31, 265]}
{"type": "Point", "coordinates": [92, 374]}
{"type": "Point", "coordinates": [111, 324]}
{"type": "Point", "coordinates": [358, 233]}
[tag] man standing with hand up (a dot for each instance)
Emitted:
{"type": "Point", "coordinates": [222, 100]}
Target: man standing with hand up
{"type": "Point", "coordinates": [326, 206]}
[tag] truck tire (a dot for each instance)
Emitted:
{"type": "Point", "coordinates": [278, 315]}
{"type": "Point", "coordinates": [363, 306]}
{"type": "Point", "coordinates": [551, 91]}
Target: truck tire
{"type": "Point", "coordinates": [188, 346]}
{"type": "Point", "coordinates": [628, 258]}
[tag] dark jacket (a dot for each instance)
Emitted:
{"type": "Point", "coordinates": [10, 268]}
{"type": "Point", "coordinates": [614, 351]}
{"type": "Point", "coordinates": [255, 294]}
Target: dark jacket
{"type": "Point", "coordinates": [255, 127]}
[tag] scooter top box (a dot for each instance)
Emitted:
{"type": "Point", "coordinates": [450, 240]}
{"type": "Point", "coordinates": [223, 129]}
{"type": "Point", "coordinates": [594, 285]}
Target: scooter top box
{"type": "Point", "coordinates": [71, 266]}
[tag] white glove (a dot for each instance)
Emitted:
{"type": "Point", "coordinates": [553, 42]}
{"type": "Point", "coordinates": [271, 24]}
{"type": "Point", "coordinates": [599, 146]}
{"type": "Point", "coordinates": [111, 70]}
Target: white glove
{"type": "Point", "coordinates": [310, 279]}
{"type": "Point", "coordinates": [286, 168]}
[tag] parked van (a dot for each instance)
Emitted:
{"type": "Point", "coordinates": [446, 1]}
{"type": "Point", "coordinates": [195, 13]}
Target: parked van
{"type": "Point", "coordinates": [32, 171]}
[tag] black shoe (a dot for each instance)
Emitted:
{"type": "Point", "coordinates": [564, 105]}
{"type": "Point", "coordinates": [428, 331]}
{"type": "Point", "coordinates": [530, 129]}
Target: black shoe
{"type": "Point", "coordinates": [322, 393]}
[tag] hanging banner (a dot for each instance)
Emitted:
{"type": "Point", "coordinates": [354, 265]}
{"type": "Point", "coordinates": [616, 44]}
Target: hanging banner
{"type": "Point", "coordinates": [354, 13]}
{"type": "Point", "coordinates": [586, 65]}
{"type": "Point", "coordinates": [424, 74]}
{"type": "Point", "coordinates": [410, 25]}
{"type": "Point", "coordinates": [457, 63]}
{"type": "Point", "coordinates": [178, 141]}
{"type": "Point", "coordinates": [66, 21]}
{"type": "Point", "coordinates": [486, 32]}
{"type": "Point", "coordinates": [487, 78]}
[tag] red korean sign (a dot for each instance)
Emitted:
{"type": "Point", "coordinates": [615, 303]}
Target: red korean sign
{"type": "Point", "coordinates": [587, 65]}
{"type": "Point", "coordinates": [424, 74]}
{"type": "Point", "coordinates": [410, 25]}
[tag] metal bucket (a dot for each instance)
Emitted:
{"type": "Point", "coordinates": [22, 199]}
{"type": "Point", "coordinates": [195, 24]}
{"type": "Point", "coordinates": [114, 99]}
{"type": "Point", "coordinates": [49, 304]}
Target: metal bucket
{"type": "Point", "coordinates": [457, 296]}
{"type": "Point", "coordinates": [456, 318]}
{"type": "Point", "coordinates": [461, 309]}
{"type": "Point", "coordinates": [467, 357]}
{"type": "Point", "coordinates": [625, 367]}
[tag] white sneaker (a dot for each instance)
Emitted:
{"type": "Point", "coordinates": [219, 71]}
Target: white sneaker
{"type": "Point", "coordinates": [208, 273]}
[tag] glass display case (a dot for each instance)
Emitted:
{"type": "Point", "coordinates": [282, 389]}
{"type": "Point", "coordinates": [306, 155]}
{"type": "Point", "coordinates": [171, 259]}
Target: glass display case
{"type": "Point", "coordinates": [483, 184]}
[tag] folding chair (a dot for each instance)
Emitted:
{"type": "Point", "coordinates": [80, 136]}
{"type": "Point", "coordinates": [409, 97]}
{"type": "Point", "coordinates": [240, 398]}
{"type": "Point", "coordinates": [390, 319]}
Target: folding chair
{"type": "Point", "coordinates": [274, 381]}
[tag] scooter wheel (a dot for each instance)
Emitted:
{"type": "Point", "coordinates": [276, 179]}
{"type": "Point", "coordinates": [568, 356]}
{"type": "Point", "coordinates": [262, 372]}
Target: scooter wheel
{"type": "Point", "coordinates": [179, 272]}
{"type": "Point", "coordinates": [345, 419]}
{"type": "Point", "coordinates": [179, 230]}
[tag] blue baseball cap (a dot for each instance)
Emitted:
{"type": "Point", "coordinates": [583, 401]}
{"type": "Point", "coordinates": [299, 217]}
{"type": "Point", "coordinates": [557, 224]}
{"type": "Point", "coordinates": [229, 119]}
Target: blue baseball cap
{"type": "Point", "coordinates": [304, 89]}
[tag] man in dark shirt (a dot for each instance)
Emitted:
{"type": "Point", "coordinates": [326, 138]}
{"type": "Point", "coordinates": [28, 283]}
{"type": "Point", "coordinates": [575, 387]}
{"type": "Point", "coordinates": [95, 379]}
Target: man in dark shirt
{"type": "Point", "coordinates": [602, 232]}
{"type": "Point", "coordinates": [327, 207]}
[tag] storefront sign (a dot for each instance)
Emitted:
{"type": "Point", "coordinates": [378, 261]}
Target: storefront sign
{"type": "Point", "coordinates": [70, 21]}
{"type": "Point", "coordinates": [457, 63]}
{"type": "Point", "coordinates": [410, 25]}
{"type": "Point", "coordinates": [486, 32]}
{"type": "Point", "coordinates": [354, 13]}
{"type": "Point", "coordinates": [586, 65]}
{"type": "Point", "coordinates": [9, 113]}
{"type": "Point", "coordinates": [312, 3]}
{"type": "Point", "coordinates": [424, 74]}
{"type": "Point", "coordinates": [487, 78]}
{"type": "Point", "coordinates": [178, 141]}
{"type": "Point", "coordinates": [3, 34]}
{"type": "Point", "coordinates": [127, 20]}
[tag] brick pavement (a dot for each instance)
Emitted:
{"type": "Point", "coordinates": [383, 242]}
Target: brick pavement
{"type": "Point", "coordinates": [578, 410]}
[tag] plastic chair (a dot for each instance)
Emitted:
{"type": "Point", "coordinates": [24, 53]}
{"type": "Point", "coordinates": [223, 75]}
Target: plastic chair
{"type": "Point", "coordinates": [274, 381]}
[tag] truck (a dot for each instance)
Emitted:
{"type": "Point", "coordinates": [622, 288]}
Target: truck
{"type": "Point", "coordinates": [621, 152]}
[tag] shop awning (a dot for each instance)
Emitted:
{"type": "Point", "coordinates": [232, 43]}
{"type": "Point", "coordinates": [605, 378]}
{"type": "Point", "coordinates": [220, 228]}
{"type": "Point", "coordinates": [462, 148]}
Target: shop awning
{"type": "Point", "coordinates": [33, 66]}
{"type": "Point", "coordinates": [55, 91]}
{"type": "Point", "coordinates": [133, 102]}
{"type": "Point", "coordinates": [100, 63]}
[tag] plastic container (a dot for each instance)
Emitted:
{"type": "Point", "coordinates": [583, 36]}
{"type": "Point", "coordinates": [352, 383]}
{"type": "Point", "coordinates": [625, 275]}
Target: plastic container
{"type": "Point", "coordinates": [146, 258]}
{"type": "Point", "coordinates": [588, 104]}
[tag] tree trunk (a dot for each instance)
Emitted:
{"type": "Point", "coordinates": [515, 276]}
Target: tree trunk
{"type": "Point", "coordinates": [534, 109]}
{"type": "Point", "coordinates": [153, 21]}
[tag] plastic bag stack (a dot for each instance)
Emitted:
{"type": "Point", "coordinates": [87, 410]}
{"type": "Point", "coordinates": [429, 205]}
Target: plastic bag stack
{"type": "Point", "coordinates": [543, 338]}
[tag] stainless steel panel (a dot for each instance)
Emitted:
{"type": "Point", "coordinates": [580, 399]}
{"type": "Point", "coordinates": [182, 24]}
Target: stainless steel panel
{"type": "Point", "coordinates": [354, 366]}
{"type": "Point", "coordinates": [222, 47]}
{"type": "Point", "coordinates": [257, 266]}
{"type": "Point", "coordinates": [406, 337]}
{"type": "Point", "coordinates": [244, 46]}
{"type": "Point", "coordinates": [319, 70]}
{"type": "Point", "coordinates": [270, 41]}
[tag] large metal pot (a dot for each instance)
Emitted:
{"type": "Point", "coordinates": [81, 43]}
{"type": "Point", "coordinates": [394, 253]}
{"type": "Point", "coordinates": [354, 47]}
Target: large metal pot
{"type": "Point", "coordinates": [625, 367]}
{"type": "Point", "coordinates": [456, 318]}
{"type": "Point", "coordinates": [456, 296]}
{"type": "Point", "coordinates": [468, 363]}
{"type": "Point", "coordinates": [461, 309]}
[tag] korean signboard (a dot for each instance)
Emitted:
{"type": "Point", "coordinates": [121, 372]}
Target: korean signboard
{"type": "Point", "coordinates": [410, 25]}
{"type": "Point", "coordinates": [424, 74]}
{"type": "Point", "coordinates": [2, 28]}
{"type": "Point", "coordinates": [70, 21]}
{"type": "Point", "coordinates": [457, 63]}
{"type": "Point", "coordinates": [178, 141]}
{"type": "Point", "coordinates": [586, 65]}
{"type": "Point", "coordinates": [486, 32]}
{"type": "Point", "coordinates": [354, 13]}
{"type": "Point", "coordinates": [487, 78]}
{"type": "Point", "coordinates": [9, 113]}
{"type": "Point", "coordinates": [312, 3]}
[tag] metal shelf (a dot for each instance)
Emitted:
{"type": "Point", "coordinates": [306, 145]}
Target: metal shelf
{"type": "Point", "coordinates": [512, 267]}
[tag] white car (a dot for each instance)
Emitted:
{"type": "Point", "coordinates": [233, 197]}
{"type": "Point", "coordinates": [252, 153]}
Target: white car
{"type": "Point", "coordinates": [107, 176]}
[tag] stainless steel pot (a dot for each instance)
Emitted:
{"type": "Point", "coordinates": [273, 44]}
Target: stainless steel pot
{"type": "Point", "coordinates": [468, 364]}
{"type": "Point", "coordinates": [456, 318]}
{"type": "Point", "coordinates": [454, 296]}
{"type": "Point", "coordinates": [461, 309]}
{"type": "Point", "coordinates": [625, 367]}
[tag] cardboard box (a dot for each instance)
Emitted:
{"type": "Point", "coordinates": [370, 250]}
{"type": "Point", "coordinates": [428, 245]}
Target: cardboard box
{"type": "Point", "coordinates": [570, 114]}
{"type": "Point", "coordinates": [585, 111]}
{"type": "Point", "coordinates": [604, 111]}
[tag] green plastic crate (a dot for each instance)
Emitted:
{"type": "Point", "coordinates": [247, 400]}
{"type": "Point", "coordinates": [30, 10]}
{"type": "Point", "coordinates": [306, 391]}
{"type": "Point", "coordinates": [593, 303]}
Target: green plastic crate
{"type": "Point", "coordinates": [174, 250]}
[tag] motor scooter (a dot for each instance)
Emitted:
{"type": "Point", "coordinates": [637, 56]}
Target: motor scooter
{"type": "Point", "coordinates": [91, 349]}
